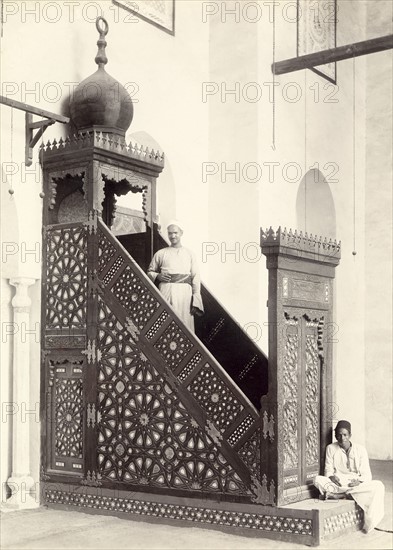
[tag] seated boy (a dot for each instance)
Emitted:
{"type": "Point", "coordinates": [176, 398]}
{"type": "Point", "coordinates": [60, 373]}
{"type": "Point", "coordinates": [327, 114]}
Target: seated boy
{"type": "Point", "coordinates": [347, 473]}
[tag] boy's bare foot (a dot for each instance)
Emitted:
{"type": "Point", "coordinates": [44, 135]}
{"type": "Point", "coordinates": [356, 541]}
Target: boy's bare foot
{"type": "Point", "coordinates": [335, 496]}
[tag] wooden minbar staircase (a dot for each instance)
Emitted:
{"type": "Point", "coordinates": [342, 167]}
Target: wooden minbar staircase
{"type": "Point", "coordinates": [141, 417]}
{"type": "Point", "coordinates": [241, 358]}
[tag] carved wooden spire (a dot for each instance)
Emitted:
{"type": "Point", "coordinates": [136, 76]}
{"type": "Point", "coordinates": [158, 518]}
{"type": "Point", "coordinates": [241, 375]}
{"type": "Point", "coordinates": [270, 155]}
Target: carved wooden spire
{"type": "Point", "coordinates": [101, 58]}
{"type": "Point", "coordinates": [94, 106]}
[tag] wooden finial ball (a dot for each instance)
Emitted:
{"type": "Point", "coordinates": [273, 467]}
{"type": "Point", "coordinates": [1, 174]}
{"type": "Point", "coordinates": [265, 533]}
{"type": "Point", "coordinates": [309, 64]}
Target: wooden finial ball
{"type": "Point", "coordinates": [42, 195]}
{"type": "Point", "coordinates": [11, 191]}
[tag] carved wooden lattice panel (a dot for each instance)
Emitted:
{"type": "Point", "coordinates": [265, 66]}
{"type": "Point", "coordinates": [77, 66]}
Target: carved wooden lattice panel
{"type": "Point", "coordinates": [135, 297]}
{"type": "Point", "coordinates": [145, 434]}
{"type": "Point", "coordinates": [141, 391]}
{"type": "Point", "coordinates": [106, 252]}
{"type": "Point", "coordinates": [312, 366]}
{"type": "Point", "coordinates": [250, 453]}
{"type": "Point", "coordinates": [69, 415]}
{"type": "Point", "coordinates": [66, 278]}
{"type": "Point", "coordinates": [148, 434]}
{"type": "Point", "coordinates": [114, 349]}
{"type": "Point", "coordinates": [215, 397]}
{"type": "Point", "coordinates": [301, 392]}
{"type": "Point", "coordinates": [241, 430]}
{"type": "Point", "coordinates": [190, 366]}
{"type": "Point", "coordinates": [173, 345]}
{"type": "Point", "coordinates": [65, 415]}
{"type": "Point", "coordinates": [290, 396]}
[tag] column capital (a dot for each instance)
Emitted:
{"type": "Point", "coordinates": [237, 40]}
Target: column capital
{"type": "Point", "coordinates": [21, 301]}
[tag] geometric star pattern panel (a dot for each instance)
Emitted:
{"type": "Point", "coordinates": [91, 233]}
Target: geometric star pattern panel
{"type": "Point", "coordinates": [173, 345]}
{"type": "Point", "coordinates": [66, 278]}
{"type": "Point", "coordinates": [215, 397]}
{"type": "Point", "coordinates": [140, 403]}
{"type": "Point", "coordinates": [135, 298]}
{"type": "Point", "coordinates": [145, 434]}
{"type": "Point", "coordinates": [113, 347]}
{"type": "Point", "coordinates": [68, 417]}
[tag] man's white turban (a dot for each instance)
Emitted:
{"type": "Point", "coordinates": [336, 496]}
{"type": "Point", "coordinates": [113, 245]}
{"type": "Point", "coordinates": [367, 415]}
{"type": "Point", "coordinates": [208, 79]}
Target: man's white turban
{"type": "Point", "coordinates": [177, 223]}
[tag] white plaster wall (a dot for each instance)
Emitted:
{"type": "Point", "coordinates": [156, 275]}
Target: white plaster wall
{"type": "Point", "coordinates": [317, 131]}
{"type": "Point", "coordinates": [350, 348]}
{"type": "Point", "coordinates": [363, 351]}
{"type": "Point", "coordinates": [378, 236]}
{"type": "Point", "coordinates": [309, 132]}
{"type": "Point", "coordinates": [233, 242]}
{"type": "Point", "coordinates": [169, 73]}
{"type": "Point", "coordinates": [162, 72]}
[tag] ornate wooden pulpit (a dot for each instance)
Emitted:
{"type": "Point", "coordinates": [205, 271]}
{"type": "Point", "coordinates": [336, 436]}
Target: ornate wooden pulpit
{"type": "Point", "coordinates": [131, 400]}
{"type": "Point", "coordinates": [140, 416]}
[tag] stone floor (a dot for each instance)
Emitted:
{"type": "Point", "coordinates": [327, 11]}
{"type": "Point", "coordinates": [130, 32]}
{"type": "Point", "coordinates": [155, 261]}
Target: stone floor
{"type": "Point", "coordinates": [54, 529]}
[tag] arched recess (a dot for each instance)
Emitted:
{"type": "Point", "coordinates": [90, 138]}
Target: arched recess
{"type": "Point", "coordinates": [166, 190]}
{"type": "Point", "coordinates": [315, 210]}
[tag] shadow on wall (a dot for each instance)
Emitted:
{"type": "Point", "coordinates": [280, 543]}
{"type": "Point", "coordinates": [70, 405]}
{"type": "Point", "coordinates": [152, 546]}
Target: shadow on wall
{"type": "Point", "coordinates": [166, 191]}
{"type": "Point", "coordinates": [315, 210]}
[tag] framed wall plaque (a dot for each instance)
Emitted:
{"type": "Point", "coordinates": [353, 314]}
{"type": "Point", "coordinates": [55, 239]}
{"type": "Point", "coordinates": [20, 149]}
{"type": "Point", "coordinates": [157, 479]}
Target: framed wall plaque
{"type": "Point", "coordinates": [316, 31]}
{"type": "Point", "coordinates": [160, 13]}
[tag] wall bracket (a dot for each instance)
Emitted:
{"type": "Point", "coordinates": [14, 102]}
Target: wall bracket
{"type": "Point", "coordinates": [32, 139]}
{"type": "Point", "coordinates": [41, 126]}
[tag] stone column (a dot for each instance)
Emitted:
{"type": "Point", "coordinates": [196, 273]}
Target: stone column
{"type": "Point", "coordinates": [21, 482]}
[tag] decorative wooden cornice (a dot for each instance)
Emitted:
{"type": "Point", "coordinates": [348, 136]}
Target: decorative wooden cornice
{"type": "Point", "coordinates": [105, 141]}
{"type": "Point", "coordinates": [293, 243]}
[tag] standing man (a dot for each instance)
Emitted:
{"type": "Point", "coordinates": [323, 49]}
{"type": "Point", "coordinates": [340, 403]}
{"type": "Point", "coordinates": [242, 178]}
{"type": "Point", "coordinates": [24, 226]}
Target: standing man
{"type": "Point", "coordinates": [347, 472]}
{"type": "Point", "coordinates": [176, 270]}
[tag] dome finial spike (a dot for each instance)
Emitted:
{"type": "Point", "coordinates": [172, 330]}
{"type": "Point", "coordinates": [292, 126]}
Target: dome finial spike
{"type": "Point", "coordinates": [101, 58]}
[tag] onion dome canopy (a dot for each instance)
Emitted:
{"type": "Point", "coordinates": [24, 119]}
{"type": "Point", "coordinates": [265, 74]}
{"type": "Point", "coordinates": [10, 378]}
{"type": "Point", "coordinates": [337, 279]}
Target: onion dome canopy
{"type": "Point", "coordinates": [100, 102]}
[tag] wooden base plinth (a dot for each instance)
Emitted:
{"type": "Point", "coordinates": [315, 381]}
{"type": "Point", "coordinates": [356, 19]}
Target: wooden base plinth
{"type": "Point", "coordinates": [308, 522]}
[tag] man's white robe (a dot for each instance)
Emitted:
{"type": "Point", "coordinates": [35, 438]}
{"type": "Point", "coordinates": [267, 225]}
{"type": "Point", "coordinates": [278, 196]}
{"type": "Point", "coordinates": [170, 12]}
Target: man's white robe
{"type": "Point", "coordinates": [180, 295]}
{"type": "Point", "coordinates": [369, 494]}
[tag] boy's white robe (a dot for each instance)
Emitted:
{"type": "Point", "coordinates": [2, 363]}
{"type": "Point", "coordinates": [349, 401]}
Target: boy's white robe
{"type": "Point", "coordinates": [369, 494]}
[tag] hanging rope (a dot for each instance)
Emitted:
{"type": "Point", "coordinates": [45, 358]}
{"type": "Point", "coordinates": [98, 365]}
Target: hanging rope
{"type": "Point", "coordinates": [2, 17]}
{"type": "Point", "coordinates": [11, 189]}
{"type": "Point", "coordinates": [354, 151]}
{"type": "Point", "coordinates": [274, 82]}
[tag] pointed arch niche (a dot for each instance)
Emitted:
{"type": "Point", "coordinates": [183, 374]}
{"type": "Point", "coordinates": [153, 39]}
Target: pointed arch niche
{"type": "Point", "coordinates": [315, 209]}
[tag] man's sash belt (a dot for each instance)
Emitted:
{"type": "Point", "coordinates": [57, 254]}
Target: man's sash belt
{"type": "Point", "coordinates": [180, 278]}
